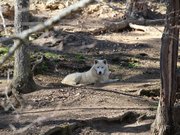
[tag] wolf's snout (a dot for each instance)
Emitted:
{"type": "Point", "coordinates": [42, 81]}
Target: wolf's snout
{"type": "Point", "coordinates": [100, 72]}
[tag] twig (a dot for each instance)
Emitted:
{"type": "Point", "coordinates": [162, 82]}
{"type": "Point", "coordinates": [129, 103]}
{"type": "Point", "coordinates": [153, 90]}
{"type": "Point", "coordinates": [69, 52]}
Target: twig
{"type": "Point", "coordinates": [35, 64]}
{"type": "Point", "coordinates": [3, 20]}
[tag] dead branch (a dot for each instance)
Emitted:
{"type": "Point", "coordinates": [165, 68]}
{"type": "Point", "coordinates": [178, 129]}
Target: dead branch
{"type": "Point", "coordinates": [38, 62]}
{"type": "Point", "coordinates": [114, 26]}
{"type": "Point", "coordinates": [122, 24]}
{"type": "Point", "coordinates": [47, 24]}
{"type": "Point", "coordinates": [138, 27]}
{"type": "Point", "coordinates": [3, 20]}
{"type": "Point", "coordinates": [136, 24]}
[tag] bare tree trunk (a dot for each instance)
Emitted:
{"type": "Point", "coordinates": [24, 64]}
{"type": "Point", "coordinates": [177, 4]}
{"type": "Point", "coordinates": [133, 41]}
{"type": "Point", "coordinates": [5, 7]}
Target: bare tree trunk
{"type": "Point", "coordinates": [164, 123]}
{"type": "Point", "coordinates": [136, 9]}
{"type": "Point", "coordinates": [22, 80]}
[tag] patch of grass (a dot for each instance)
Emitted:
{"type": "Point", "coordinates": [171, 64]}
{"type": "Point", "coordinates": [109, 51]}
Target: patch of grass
{"type": "Point", "coordinates": [41, 69]}
{"type": "Point", "coordinates": [133, 65]}
{"type": "Point", "coordinates": [3, 50]}
{"type": "Point", "coordinates": [44, 67]}
{"type": "Point", "coordinates": [51, 55]}
{"type": "Point", "coordinates": [79, 57]}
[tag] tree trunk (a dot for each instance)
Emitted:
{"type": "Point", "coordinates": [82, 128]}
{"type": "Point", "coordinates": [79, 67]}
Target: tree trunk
{"type": "Point", "coordinates": [136, 9]}
{"type": "Point", "coordinates": [164, 123]}
{"type": "Point", "coordinates": [22, 80]}
{"type": "Point", "coordinates": [164, 1]}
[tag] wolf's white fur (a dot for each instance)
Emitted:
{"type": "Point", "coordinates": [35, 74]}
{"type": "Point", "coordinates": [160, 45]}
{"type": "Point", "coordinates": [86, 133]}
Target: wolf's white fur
{"type": "Point", "coordinates": [99, 73]}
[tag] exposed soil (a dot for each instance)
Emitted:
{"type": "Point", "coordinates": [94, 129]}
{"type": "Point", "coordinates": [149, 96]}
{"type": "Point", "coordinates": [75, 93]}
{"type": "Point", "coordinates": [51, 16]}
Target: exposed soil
{"type": "Point", "coordinates": [133, 58]}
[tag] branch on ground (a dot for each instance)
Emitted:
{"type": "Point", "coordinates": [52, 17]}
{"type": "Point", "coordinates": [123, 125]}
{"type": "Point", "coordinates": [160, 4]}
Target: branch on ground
{"type": "Point", "coordinates": [134, 24]}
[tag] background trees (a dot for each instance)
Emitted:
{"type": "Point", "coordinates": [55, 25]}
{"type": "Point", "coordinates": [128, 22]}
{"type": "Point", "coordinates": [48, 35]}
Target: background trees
{"type": "Point", "coordinates": [136, 9]}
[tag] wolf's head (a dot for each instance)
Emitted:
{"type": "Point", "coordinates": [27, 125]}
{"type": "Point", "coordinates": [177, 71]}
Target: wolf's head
{"type": "Point", "coordinates": [100, 67]}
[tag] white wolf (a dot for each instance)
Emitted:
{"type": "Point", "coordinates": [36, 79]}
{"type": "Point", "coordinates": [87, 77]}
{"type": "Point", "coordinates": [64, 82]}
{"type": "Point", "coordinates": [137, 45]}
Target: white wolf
{"type": "Point", "coordinates": [99, 73]}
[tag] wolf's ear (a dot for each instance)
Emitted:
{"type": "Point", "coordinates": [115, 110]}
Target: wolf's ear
{"type": "Point", "coordinates": [95, 61]}
{"type": "Point", "coordinates": [105, 61]}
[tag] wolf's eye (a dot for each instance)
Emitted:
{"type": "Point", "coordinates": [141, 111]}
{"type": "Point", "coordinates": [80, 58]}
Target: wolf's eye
{"type": "Point", "coordinates": [97, 67]}
{"type": "Point", "coordinates": [102, 67]}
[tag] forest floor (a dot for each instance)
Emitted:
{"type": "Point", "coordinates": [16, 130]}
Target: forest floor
{"type": "Point", "coordinates": [127, 107]}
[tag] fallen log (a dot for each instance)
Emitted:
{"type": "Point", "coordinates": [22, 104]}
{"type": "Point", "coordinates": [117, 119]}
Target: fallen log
{"type": "Point", "coordinates": [121, 25]}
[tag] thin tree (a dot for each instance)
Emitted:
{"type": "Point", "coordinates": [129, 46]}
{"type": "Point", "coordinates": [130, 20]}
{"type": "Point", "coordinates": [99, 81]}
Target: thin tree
{"type": "Point", "coordinates": [164, 123]}
{"type": "Point", "coordinates": [22, 81]}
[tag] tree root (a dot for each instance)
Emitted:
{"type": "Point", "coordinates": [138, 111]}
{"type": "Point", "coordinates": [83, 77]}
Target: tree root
{"type": "Point", "coordinates": [15, 90]}
{"type": "Point", "coordinates": [67, 129]}
{"type": "Point", "coordinates": [38, 62]}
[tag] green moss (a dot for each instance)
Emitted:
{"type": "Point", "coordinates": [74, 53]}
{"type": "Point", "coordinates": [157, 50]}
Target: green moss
{"type": "Point", "coordinates": [51, 55]}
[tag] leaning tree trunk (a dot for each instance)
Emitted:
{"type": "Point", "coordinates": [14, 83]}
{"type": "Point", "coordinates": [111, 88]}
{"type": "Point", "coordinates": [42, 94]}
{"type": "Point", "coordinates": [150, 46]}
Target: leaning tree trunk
{"type": "Point", "coordinates": [22, 80]}
{"type": "Point", "coordinates": [164, 123]}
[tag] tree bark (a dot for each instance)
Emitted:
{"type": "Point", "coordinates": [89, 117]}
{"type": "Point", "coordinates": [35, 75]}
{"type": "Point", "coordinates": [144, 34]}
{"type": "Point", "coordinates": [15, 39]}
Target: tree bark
{"type": "Point", "coordinates": [22, 80]}
{"type": "Point", "coordinates": [164, 123]}
{"type": "Point", "coordinates": [136, 9]}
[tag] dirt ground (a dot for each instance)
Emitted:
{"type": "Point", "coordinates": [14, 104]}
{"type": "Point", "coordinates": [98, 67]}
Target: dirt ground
{"type": "Point", "coordinates": [133, 58]}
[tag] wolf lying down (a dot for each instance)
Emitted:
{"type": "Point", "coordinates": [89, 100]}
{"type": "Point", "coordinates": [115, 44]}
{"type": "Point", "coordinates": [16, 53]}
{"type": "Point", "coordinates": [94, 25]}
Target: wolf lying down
{"type": "Point", "coordinates": [99, 73]}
